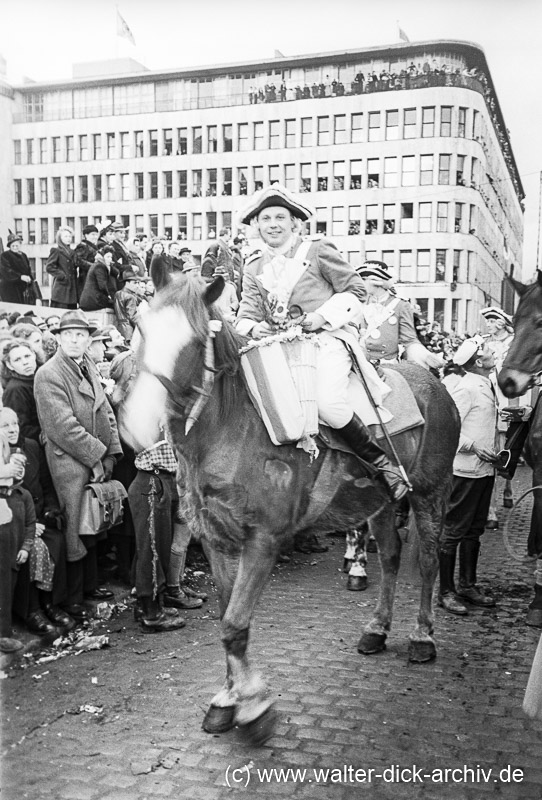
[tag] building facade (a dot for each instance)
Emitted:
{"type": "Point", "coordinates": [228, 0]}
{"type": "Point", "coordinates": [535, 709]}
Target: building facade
{"type": "Point", "coordinates": [401, 150]}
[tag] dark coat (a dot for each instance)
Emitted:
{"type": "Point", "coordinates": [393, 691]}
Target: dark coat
{"type": "Point", "coordinates": [100, 288]}
{"type": "Point", "coordinates": [84, 255]}
{"type": "Point", "coordinates": [126, 305]}
{"type": "Point", "coordinates": [80, 430]}
{"type": "Point", "coordinates": [12, 266]}
{"type": "Point", "coordinates": [217, 255]}
{"type": "Point", "coordinates": [60, 264]}
{"type": "Point", "coordinates": [19, 395]}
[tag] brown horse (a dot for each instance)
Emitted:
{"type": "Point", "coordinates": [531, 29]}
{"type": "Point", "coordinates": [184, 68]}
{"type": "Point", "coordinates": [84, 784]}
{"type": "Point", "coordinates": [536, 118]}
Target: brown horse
{"type": "Point", "coordinates": [521, 368]}
{"type": "Point", "coordinates": [243, 496]}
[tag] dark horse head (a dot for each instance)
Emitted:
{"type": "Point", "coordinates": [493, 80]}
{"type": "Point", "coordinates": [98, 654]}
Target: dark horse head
{"type": "Point", "coordinates": [172, 355]}
{"type": "Point", "coordinates": [524, 359]}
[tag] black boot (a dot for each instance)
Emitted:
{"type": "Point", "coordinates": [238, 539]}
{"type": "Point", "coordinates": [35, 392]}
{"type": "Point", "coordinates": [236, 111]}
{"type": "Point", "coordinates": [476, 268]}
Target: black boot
{"type": "Point", "coordinates": [154, 619]}
{"type": "Point", "coordinates": [447, 596]}
{"type": "Point", "coordinates": [468, 561]}
{"type": "Point", "coordinates": [363, 443]}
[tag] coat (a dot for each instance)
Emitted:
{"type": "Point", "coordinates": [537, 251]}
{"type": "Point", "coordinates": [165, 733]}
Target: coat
{"type": "Point", "coordinates": [217, 255]}
{"type": "Point", "coordinates": [84, 255]}
{"type": "Point", "coordinates": [19, 395]}
{"type": "Point", "coordinates": [60, 264]}
{"type": "Point", "coordinates": [79, 429]}
{"type": "Point", "coordinates": [100, 287]}
{"type": "Point", "coordinates": [12, 266]}
{"type": "Point", "coordinates": [126, 306]}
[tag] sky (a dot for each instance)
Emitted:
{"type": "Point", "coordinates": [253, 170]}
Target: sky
{"type": "Point", "coordinates": [41, 39]}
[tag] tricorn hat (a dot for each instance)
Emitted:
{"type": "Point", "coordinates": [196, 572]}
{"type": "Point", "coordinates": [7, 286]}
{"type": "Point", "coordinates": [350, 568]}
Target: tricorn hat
{"type": "Point", "coordinates": [375, 269]}
{"type": "Point", "coordinates": [493, 312]}
{"type": "Point", "coordinates": [275, 195]}
{"type": "Point", "coordinates": [74, 319]}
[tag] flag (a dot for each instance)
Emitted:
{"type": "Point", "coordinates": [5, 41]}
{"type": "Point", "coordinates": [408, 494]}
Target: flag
{"type": "Point", "coordinates": [402, 35]}
{"type": "Point", "coordinates": [123, 29]}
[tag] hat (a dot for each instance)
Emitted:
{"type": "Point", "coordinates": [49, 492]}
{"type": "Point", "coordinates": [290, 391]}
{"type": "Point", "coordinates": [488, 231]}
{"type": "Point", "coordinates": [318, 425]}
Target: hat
{"type": "Point", "coordinates": [74, 319]}
{"type": "Point", "coordinates": [191, 265]}
{"type": "Point", "coordinates": [99, 335]}
{"type": "Point", "coordinates": [468, 349]}
{"type": "Point", "coordinates": [220, 271]}
{"type": "Point", "coordinates": [492, 312]}
{"type": "Point", "coordinates": [14, 237]}
{"type": "Point", "coordinates": [374, 269]}
{"type": "Point", "coordinates": [89, 229]}
{"type": "Point", "coordinates": [275, 195]}
{"type": "Point", "coordinates": [131, 276]}
{"type": "Point", "coordinates": [117, 226]}
{"type": "Point", "coordinates": [184, 250]}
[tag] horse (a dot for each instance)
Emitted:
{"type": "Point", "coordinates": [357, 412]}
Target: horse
{"type": "Point", "coordinates": [243, 496]}
{"type": "Point", "coordinates": [519, 372]}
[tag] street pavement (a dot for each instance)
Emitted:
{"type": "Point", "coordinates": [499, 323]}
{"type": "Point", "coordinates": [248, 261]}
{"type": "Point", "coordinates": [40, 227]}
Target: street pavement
{"type": "Point", "coordinates": [340, 714]}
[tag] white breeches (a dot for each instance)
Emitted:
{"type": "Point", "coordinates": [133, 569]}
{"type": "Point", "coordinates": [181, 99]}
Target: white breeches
{"type": "Point", "coordinates": [333, 367]}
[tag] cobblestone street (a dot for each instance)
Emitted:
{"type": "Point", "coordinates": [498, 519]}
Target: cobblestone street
{"type": "Point", "coordinates": [337, 709]}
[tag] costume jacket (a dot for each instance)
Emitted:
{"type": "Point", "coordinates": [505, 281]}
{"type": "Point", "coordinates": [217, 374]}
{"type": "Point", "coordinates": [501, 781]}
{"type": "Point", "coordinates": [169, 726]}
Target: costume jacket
{"type": "Point", "coordinates": [83, 257]}
{"type": "Point", "coordinates": [80, 430]}
{"type": "Point", "coordinates": [388, 325]}
{"type": "Point", "coordinates": [100, 287]}
{"type": "Point", "coordinates": [12, 266]}
{"type": "Point", "coordinates": [60, 264]}
{"type": "Point", "coordinates": [477, 406]}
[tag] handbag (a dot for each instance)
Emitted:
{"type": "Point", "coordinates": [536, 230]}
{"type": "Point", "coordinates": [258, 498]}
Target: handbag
{"type": "Point", "coordinates": [102, 507]}
{"type": "Point", "coordinates": [32, 293]}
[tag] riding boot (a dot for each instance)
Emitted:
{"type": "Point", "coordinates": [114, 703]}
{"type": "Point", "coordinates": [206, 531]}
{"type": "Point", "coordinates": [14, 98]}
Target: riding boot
{"type": "Point", "coordinates": [468, 561]}
{"type": "Point", "coordinates": [363, 443]}
{"type": "Point", "coordinates": [447, 597]}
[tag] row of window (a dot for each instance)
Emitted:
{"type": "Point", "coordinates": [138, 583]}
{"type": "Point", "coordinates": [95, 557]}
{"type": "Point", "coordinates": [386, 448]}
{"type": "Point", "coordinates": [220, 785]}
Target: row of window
{"type": "Point", "coordinates": [410, 123]}
{"type": "Point", "coordinates": [389, 172]}
{"type": "Point", "coordinates": [428, 266]}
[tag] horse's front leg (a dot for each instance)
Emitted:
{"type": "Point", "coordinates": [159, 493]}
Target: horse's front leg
{"type": "Point", "coordinates": [428, 515]}
{"type": "Point", "coordinates": [382, 526]}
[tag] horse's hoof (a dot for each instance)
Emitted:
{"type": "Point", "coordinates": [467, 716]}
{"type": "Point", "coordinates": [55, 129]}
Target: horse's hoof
{"type": "Point", "coordinates": [372, 643]}
{"type": "Point", "coordinates": [347, 565]}
{"type": "Point", "coordinates": [219, 719]}
{"type": "Point", "coordinates": [259, 730]}
{"type": "Point", "coordinates": [421, 652]}
{"type": "Point", "coordinates": [534, 617]}
{"type": "Point", "coordinates": [356, 583]}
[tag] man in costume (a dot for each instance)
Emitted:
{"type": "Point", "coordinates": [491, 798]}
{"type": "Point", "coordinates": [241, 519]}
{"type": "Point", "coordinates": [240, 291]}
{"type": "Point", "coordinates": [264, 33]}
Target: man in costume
{"type": "Point", "coordinates": [313, 281]}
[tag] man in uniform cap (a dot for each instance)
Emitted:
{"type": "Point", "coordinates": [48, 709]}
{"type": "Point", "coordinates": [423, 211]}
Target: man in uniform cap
{"type": "Point", "coordinates": [313, 279]}
{"type": "Point", "coordinates": [473, 477]}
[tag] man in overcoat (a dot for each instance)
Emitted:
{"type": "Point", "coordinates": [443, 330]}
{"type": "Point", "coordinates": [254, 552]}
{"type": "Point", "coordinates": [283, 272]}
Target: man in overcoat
{"type": "Point", "coordinates": [81, 444]}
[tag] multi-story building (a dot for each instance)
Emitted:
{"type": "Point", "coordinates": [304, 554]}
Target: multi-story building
{"type": "Point", "coordinates": [402, 150]}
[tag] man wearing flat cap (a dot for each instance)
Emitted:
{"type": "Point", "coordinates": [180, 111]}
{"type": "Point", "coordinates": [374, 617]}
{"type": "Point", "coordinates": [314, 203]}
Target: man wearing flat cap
{"type": "Point", "coordinates": [81, 444]}
{"type": "Point", "coordinates": [313, 280]}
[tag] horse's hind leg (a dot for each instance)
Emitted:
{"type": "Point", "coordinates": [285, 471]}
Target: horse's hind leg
{"type": "Point", "coordinates": [428, 514]}
{"type": "Point", "coordinates": [382, 525]}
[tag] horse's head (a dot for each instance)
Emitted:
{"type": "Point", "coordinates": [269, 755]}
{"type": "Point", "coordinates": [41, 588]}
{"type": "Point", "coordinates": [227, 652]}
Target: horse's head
{"type": "Point", "coordinates": [171, 357]}
{"type": "Point", "coordinates": [524, 358]}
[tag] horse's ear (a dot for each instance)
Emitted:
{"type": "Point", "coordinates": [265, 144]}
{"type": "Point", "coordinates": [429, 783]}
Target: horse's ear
{"type": "Point", "coordinates": [159, 272]}
{"type": "Point", "coordinates": [213, 291]}
{"type": "Point", "coordinates": [520, 287]}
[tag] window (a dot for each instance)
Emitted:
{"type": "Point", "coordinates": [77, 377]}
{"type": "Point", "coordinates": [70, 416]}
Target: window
{"type": "Point", "coordinates": [371, 221]}
{"type": "Point", "coordinates": [197, 183]}
{"type": "Point", "coordinates": [138, 144]}
{"type": "Point", "coordinates": [17, 153]}
{"type": "Point", "coordinates": [257, 176]}
{"type": "Point", "coordinates": [289, 177]}
{"type": "Point", "coordinates": [182, 141]}
{"type": "Point", "coordinates": [196, 226]}
{"type": "Point", "coordinates": [460, 169]}
{"type": "Point", "coordinates": [306, 177]}
{"type": "Point", "coordinates": [97, 186]}
{"type": "Point", "coordinates": [196, 140]}
{"type": "Point", "coordinates": [153, 224]}
{"type": "Point", "coordinates": [110, 181]}
{"type": "Point", "coordinates": [274, 134]}
{"type": "Point", "coordinates": [339, 170]}
{"type": "Point", "coordinates": [407, 217]}
{"type": "Point", "coordinates": [167, 179]}
{"type": "Point", "coordinates": [408, 174]}
{"type": "Point", "coordinates": [274, 174]}
{"type": "Point", "coordinates": [124, 144]}
{"type": "Point", "coordinates": [83, 147]}
{"type": "Point", "coordinates": [390, 172]}
{"type": "Point", "coordinates": [389, 218]}
{"type": "Point", "coordinates": [475, 124]}
{"type": "Point", "coordinates": [428, 122]}
{"type": "Point", "coordinates": [424, 218]}
{"type": "Point", "coordinates": [462, 123]}
{"type": "Point", "coordinates": [259, 141]}
{"type": "Point", "coordinates": [168, 226]}
{"type": "Point", "coordinates": [44, 231]}
{"type": "Point", "coordinates": [30, 191]}
{"type": "Point", "coordinates": [321, 221]}
{"type": "Point", "coordinates": [471, 272]}
{"type": "Point", "coordinates": [227, 138]}
{"type": "Point", "coordinates": [43, 151]}
{"type": "Point", "coordinates": [44, 195]}
{"type": "Point", "coordinates": [19, 226]}
{"type": "Point", "coordinates": [388, 257]}
{"type": "Point", "coordinates": [211, 224]}
{"type": "Point", "coordinates": [446, 121]}
{"type": "Point", "coordinates": [182, 179]}
{"type": "Point", "coordinates": [322, 172]}
{"type": "Point", "coordinates": [423, 266]}
{"type": "Point", "coordinates": [182, 223]}
{"type": "Point", "coordinates": [406, 271]}
{"type": "Point", "coordinates": [337, 221]}
{"type": "Point", "coordinates": [227, 181]}
{"type": "Point", "coordinates": [96, 146]}
{"type": "Point", "coordinates": [444, 162]}
{"type": "Point", "coordinates": [355, 174]}
{"type": "Point", "coordinates": [83, 189]}
{"type": "Point", "coordinates": [56, 149]}
{"type": "Point", "coordinates": [167, 134]}
{"type": "Point", "coordinates": [356, 128]}
{"type": "Point", "coordinates": [442, 217]}
{"type": "Point", "coordinates": [323, 130]}
{"type": "Point", "coordinates": [226, 219]}
{"type": "Point", "coordinates": [354, 220]}
{"type": "Point", "coordinates": [458, 217]}
{"type": "Point", "coordinates": [30, 151]}
{"type": "Point", "coordinates": [125, 186]}
{"type": "Point", "coordinates": [375, 134]}
{"type": "Point", "coordinates": [212, 139]}
{"type": "Point", "coordinates": [153, 143]}
{"type": "Point", "coordinates": [242, 135]}
{"type": "Point", "coordinates": [456, 266]}
{"type": "Point", "coordinates": [153, 185]}
{"type": "Point", "coordinates": [373, 173]}
{"type": "Point", "coordinates": [31, 227]}
{"type": "Point", "coordinates": [139, 223]}
{"type": "Point", "coordinates": [306, 132]}
{"type": "Point", "coordinates": [339, 129]}
{"type": "Point", "coordinates": [110, 145]}
{"type": "Point", "coordinates": [211, 182]}
{"type": "Point", "coordinates": [392, 125]}
{"type": "Point", "coordinates": [242, 180]}
{"type": "Point", "coordinates": [426, 170]}
{"type": "Point", "coordinates": [57, 192]}
{"type": "Point", "coordinates": [70, 148]}
{"type": "Point", "coordinates": [18, 191]}
{"type": "Point", "coordinates": [475, 173]}
{"type": "Point", "coordinates": [139, 184]}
